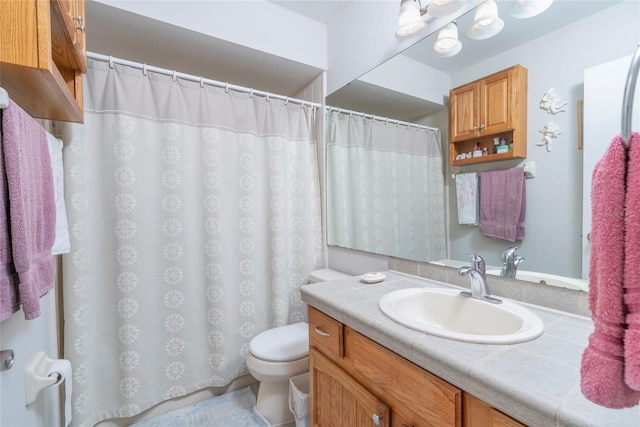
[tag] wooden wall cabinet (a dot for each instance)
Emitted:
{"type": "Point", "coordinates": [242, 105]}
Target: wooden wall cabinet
{"type": "Point", "coordinates": [43, 56]}
{"type": "Point", "coordinates": [356, 382]}
{"type": "Point", "coordinates": [494, 106]}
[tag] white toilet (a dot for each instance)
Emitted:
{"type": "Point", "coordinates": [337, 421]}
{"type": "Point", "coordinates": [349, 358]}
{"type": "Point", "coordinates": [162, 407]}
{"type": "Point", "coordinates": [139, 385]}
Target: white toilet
{"type": "Point", "coordinates": [278, 354]}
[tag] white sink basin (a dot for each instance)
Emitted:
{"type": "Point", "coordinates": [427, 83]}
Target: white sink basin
{"type": "Point", "coordinates": [445, 313]}
{"type": "Point", "coordinates": [549, 279]}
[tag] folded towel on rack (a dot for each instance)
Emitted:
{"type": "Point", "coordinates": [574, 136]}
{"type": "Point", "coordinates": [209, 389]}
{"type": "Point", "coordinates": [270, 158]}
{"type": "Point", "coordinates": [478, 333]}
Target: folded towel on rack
{"type": "Point", "coordinates": [503, 204]}
{"type": "Point", "coordinates": [602, 368]}
{"type": "Point", "coordinates": [62, 244]}
{"type": "Point", "coordinates": [467, 198]}
{"type": "Point", "coordinates": [632, 266]}
{"type": "Point", "coordinates": [32, 215]}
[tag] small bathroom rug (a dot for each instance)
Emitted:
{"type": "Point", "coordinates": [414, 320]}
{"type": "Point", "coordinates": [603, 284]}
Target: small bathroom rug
{"type": "Point", "coordinates": [237, 408]}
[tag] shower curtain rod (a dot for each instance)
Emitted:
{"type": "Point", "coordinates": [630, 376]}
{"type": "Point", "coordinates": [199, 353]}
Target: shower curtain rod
{"type": "Point", "coordinates": [227, 86]}
{"type": "Point", "coordinates": [379, 118]}
{"type": "Point", "coordinates": [203, 81]}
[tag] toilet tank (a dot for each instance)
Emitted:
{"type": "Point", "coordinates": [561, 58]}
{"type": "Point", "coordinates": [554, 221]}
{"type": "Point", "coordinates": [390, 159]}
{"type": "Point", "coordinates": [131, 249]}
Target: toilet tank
{"type": "Point", "coordinates": [326, 275]}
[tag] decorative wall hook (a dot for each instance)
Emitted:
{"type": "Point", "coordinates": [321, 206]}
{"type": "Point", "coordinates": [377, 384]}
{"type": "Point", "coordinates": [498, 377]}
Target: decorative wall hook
{"type": "Point", "coordinates": [549, 132]}
{"type": "Point", "coordinates": [550, 102]}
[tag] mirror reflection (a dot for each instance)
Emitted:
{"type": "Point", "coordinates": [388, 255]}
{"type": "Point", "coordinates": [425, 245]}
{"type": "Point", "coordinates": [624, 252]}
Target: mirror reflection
{"type": "Point", "coordinates": [558, 48]}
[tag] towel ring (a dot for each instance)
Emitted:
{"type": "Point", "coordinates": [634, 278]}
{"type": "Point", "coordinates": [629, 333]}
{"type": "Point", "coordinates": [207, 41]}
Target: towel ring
{"type": "Point", "coordinates": [627, 100]}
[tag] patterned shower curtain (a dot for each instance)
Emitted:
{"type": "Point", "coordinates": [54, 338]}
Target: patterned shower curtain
{"type": "Point", "coordinates": [385, 188]}
{"type": "Point", "coordinates": [195, 219]}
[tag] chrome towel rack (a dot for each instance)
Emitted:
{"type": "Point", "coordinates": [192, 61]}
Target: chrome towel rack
{"type": "Point", "coordinates": [627, 100]}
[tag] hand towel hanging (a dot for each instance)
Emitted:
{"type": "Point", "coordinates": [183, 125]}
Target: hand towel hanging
{"type": "Point", "coordinates": [503, 204]}
{"type": "Point", "coordinates": [467, 198]}
{"type": "Point", "coordinates": [31, 209]}
{"type": "Point", "coordinates": [602, 368]}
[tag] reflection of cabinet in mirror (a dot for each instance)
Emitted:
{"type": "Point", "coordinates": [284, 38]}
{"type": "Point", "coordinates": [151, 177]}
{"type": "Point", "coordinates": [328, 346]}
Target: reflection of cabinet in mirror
{"type": "Point", "coordinates": [494, 106]}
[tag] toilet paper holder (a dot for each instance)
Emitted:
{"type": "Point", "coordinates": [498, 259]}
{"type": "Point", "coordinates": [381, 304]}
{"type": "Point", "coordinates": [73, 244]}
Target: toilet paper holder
{"type": "Point", "coordinates": [36, 376]}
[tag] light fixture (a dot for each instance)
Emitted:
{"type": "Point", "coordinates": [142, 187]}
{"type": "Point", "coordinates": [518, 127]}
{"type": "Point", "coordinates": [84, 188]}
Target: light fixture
{"type": "Point", "coordinates": [486, 22]}
{"type": "Point", "coordinates": [440, 8]}
{"type": "Point", "coordinates": [527, 8]}
{"type": "Point", "coordinates": [410, 19]}
{"type": "Point", "coordinates": [447, 43]}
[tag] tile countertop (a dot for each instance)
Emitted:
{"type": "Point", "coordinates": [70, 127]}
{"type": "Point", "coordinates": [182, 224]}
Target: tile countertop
{"type": "Point", "coordinates": [536, 382]}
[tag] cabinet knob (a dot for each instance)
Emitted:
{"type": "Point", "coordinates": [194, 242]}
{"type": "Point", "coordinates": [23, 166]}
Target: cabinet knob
{"type": "Point", "coordinates": [80, 27]}
{"type": "Point", "coordinates": [376, 419]}
{"type": "Point", "coordinates": [481, 126]}
{"type": "Point", "coordinates": [475, 128]}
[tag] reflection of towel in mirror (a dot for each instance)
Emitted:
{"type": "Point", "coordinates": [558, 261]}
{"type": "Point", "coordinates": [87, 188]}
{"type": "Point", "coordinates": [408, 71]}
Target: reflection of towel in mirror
{"type": "Point", "coordinates": [503, 204]}
{"type": "Point", "coordinates": [602, 368]}
{"type": "Point", "coordinates": [467, 198]}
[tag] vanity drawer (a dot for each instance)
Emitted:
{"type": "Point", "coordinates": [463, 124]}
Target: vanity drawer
{"type": "Point", "coordinates": [404, 385]}
{"type": "Point", "coordinates": [325, 334]}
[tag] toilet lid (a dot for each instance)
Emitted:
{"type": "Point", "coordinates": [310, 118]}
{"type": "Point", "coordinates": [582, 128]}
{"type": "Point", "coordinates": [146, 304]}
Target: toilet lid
{"type": "Point", "coordinates": [281, 344]}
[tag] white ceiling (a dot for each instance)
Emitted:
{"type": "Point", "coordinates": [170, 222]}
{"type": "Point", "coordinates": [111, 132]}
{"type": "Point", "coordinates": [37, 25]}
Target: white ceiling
{"type": "Point", "coordinates": [322, 11]}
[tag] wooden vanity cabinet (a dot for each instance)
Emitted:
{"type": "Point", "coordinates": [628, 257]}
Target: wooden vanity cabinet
{"type": "Point", "coordinates": [43, 56]}
{"type": "Point", "coordinates": [494, 106]}
{"type": "Point", "coordinates": [357, 382]}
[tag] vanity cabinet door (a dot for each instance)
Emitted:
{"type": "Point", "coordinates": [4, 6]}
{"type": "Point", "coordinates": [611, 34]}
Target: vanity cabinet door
{"type": "Point", "coordinates": [479, 414]}
{"type": "Point", "coordinates": [338, 400]}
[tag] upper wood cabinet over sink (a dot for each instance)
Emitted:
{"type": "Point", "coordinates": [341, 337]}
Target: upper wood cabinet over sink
{"type": "Point", "coordinates": [43, 56]}
{"type": "Point", "coordinates": [494, 106]}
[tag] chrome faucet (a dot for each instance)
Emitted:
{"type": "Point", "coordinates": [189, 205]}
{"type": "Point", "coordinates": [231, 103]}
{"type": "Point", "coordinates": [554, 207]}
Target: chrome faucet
{"type": "Point", "coordinates": [479, 286]}
{"type": "Point", "coordinates": [510, 262]}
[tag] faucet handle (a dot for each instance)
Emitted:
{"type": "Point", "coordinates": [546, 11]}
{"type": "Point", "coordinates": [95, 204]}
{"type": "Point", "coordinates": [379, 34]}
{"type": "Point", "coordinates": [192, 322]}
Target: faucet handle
{"type": "Point", "coordinates": [478, 263]}
{"type": "Point", "coordinates": [509, 253]}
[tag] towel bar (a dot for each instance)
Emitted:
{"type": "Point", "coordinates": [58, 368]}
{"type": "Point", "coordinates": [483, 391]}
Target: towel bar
{"type": "Point", "coordinates": [627, 100]}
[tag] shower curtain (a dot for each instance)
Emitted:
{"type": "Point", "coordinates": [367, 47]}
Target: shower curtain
{"type": "Point", "coordinates": [385, 187]}
{"type": "Point", "coordinates": [195, 218]}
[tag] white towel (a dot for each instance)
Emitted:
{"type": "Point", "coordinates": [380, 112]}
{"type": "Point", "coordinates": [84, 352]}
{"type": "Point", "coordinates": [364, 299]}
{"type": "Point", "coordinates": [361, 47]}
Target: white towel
{"type": "Point", "coordinates": [62, 244]}
{"type": "Point", "coordinates": [467, 198]}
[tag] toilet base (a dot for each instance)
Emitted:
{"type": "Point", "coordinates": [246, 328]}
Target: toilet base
{"type": "Point", "coordinates": [273, 402]}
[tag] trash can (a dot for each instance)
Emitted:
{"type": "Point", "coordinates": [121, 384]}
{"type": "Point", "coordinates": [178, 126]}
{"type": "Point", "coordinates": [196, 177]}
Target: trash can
{"type": "Point", "coordinates": [299, 399]}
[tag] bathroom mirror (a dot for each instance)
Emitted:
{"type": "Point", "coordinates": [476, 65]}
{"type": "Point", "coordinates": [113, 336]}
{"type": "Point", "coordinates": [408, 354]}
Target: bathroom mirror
{"type": "Point", "coordinates": [556, 47]}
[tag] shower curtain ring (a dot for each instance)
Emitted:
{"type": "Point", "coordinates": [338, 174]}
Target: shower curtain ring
{"type": "Point", "coordinates": [286, 100]}
{"type": "Point", "coordinates": [251, 93]}
{"type": "Point", "coordinates": [175, 76]}
{"type": "Point", "coordinates": [201, 82]}
{"type": "Point", "coordinates": [268, 97]}
{"type": "Point", "coordinates": [111, 62]}
{"type": "Point", "coordinates": [226, 87]}
{"type": "Point", "coordinates": [144, 69]}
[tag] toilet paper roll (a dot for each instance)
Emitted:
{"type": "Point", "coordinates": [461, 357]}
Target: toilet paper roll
{"type": "Point", "coordinates": [61, 368]}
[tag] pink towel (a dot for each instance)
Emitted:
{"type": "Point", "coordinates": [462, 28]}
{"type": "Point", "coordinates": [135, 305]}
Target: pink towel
{"type": "Point", "coordinates": [31, 211]}
{"type": "Point", "coordinates": [602, 369]}
{"type": "Point", "coordinates": [503, 204]}
{"type": "Point", "coordinates": [632, 266]}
